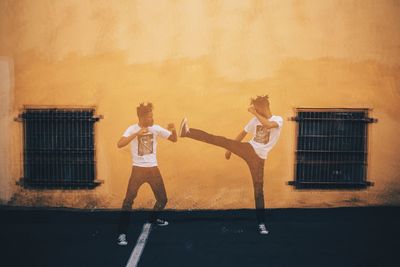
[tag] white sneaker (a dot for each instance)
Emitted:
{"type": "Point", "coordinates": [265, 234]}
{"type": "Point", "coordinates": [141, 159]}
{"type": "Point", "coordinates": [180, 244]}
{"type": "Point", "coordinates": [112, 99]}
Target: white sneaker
{"type": "Point", "coordinates": [262, 229]}
{"type": "Point", "coordinates": [184, 128]}
{"type": "Point", "coordinates": [122, 240]}
{"type": "Point", "coordinates": [160, 222]}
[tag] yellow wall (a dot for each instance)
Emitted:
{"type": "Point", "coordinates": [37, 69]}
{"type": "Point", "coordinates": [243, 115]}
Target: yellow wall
{"type": "Point", "coordinates": [204, 60]}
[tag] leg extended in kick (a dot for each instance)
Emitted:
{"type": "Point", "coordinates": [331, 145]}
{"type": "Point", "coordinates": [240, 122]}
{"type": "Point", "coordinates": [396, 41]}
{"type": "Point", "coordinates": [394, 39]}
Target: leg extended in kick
{"type": "Point", "coordinates": [241, 149]}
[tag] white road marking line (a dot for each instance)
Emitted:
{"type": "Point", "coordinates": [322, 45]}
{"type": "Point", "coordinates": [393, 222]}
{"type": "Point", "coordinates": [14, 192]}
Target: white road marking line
{"type": "Point", "coordinates": [141, 242]}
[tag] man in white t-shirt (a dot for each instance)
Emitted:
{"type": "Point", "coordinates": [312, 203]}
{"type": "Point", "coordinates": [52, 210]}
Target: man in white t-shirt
{"type": "Point", "coordinates": [143, 138]}
{"type": "Point", "coordinates": [265, 129]}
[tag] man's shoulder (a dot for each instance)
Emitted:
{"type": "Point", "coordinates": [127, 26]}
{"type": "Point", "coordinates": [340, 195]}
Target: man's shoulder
{"type": "Point", "coordinates": [133, 128]}
{"type": "Point", "coordinates": [253, 119]}
{"type": "Point", "coordinates": [278, 119]}
{"type": "Point", "coordinates": [155, 127]}
{"type": "Point", "coordinates": [275, 117]}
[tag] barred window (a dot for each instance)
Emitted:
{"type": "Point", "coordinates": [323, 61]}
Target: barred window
{"type": "Point", "coordinates": [59, 148]}
{"type": "Point", "coordinates": [332, 148]}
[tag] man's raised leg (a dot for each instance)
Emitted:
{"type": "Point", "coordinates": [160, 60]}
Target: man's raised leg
{"type": "Point", "coordinates": [241, 149]}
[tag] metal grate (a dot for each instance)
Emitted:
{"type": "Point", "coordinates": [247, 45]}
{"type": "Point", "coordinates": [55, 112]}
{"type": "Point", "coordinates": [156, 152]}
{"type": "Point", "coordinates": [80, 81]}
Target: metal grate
{"type": "Point", "coordinates": [331, 148]}
{"type": "Point", "coordinates": [59, 148]}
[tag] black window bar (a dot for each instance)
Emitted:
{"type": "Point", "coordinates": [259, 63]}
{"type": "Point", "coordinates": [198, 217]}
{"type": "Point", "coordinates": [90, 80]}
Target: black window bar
{"type": "Point", "coordinates": [59, 148]}
{"type": "Point", "coordinates": [332, 147]}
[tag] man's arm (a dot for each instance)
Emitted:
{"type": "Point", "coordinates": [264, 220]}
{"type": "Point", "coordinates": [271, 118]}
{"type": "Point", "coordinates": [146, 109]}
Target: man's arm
{"type": "Point", "coordinates": [264, 121]}
{"type": "Point", "coordinates": [173, 137]}
{"type": "Point", "coordinates": [240, 137]}
{"type": "Point", "coordinates": [126, 140]}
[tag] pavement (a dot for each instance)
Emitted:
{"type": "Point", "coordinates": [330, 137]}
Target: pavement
{"type": "Point", "coordinates": [357, 236]}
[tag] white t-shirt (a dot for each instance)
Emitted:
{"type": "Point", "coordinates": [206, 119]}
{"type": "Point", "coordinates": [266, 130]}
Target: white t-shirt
{"type": "Point", "coordinates": [263, 139]}
{"type": "Point", "coordinates": [144, 147]}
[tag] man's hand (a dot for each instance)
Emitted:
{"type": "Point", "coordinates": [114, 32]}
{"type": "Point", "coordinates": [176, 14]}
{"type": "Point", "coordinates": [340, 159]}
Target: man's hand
{"type": "Point", "coordinates": [173, 137]}
{"type": "Point", "coordinates": [126, 140]}
{"type": "Point", "coordinates": [252, 110]}
{"type": "Point", "coordinates": [142, 131]}
{"type": "Point", "coordinates": [228, 154]}
{"type": "Point", "coordinates": [171, 127]}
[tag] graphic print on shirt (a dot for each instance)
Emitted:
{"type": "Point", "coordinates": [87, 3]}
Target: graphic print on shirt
{"type": "Point", "coordinates": [145, 144]}
{"type": "Point", "coordinates": [262, 135]}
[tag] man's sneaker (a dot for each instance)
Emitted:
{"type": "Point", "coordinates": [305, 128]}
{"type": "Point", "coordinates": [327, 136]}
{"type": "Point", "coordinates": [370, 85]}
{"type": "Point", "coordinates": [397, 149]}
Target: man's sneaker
{"type": "Point", "coordinates": [160, 222]}
{"type": "Point", "coordinates": [262, 229]}
{"type": "Point", "coordinates": [184, 128]}
{"type": "Point", "coordinates": [122, 240]}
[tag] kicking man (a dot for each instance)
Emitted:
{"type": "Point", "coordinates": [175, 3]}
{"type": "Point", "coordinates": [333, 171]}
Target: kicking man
{"type": "Point", "coordinates": [265, 129]}
{"type": "Point", "coordinates": [143, 138]}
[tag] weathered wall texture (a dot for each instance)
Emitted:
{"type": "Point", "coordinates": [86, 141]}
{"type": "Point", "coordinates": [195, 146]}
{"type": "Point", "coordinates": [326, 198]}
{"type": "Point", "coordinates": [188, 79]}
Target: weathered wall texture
{"type": "Point", "coordinates": [6, 92]}
{"type": "Point", "coordinates": [204, 60]}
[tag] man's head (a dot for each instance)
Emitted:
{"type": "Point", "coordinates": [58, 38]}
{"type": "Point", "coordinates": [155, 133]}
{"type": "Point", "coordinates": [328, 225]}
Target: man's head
{"type": "Point", "coordinates": [261, 104]}
{"type": "Point", "coordinates": [145, 114]}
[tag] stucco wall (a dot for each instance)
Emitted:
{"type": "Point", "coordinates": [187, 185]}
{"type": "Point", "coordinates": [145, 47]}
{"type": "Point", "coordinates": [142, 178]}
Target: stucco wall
{"type": "Point", "coordinates": [204, 60]}
{"type": "Point", "coordinates": [6, 121]}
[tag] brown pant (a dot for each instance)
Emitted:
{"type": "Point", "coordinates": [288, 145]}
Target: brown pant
{"type": "Point", "coordinates": [139, 176]}
{"type": "Point", "coordinates": [247, 153]}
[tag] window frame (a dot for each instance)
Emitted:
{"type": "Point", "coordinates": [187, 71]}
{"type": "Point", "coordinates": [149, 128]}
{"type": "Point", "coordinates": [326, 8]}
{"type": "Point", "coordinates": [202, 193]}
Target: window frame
{"type": "Point", "coordinates": [332, 185]}
{"type": "Point", "coordinates": [83, 184]}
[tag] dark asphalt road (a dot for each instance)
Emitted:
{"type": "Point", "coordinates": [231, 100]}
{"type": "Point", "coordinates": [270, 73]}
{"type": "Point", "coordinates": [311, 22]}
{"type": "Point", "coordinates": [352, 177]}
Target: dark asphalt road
{"type": "Point", "coordinates": [362, 237]}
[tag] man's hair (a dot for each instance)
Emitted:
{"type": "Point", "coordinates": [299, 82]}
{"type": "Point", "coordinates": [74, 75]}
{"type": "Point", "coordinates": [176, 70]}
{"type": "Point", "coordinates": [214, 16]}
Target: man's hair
{"type": "Point", "coordinates": [143, 109]}
{"type": "Point", "coordinates": [260, 100]}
